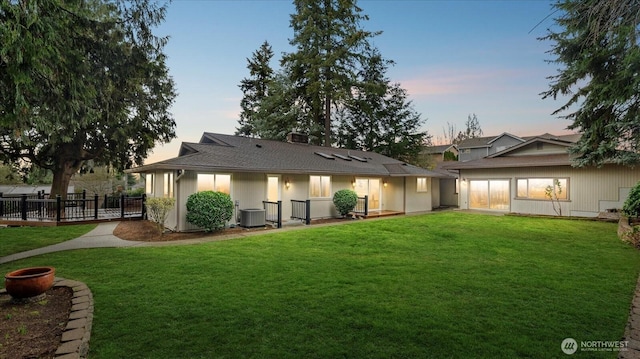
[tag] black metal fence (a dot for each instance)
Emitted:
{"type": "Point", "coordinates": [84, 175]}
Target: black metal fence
{"type": "Point", "coordinates": [273, 212]}
{"type": "Point", "coordinates": [76, 207]}
{"type": "Point", "coordinates": [301, 210]}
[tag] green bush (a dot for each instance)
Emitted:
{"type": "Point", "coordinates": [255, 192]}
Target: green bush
{"type": "Point", "coordinates": [631, 206]}
{"type": "Point", "coordinates": [345, 201]}
{"type": "Point", "coordinates": [135, 192]}
{"type": "Point", "coordinates": [209, 210]}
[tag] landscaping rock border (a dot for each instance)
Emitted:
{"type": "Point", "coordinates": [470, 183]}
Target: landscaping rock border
{"type": "Point", "coordinates": [74, 343]}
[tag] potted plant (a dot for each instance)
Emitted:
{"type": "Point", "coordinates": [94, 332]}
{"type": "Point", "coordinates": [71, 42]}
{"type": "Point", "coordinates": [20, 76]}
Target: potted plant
{"type": "Point", "coordinates": [29, 282]}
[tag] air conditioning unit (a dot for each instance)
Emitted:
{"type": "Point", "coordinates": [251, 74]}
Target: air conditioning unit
{"type": "Point", "coordinates": [252, 217]}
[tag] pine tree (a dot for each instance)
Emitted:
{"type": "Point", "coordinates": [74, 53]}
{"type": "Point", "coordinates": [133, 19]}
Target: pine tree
{"type": "Point", "coordinates": [597, 47]}
{"type": "Point", "coordinates": [255, 89]}
{"type": "Point", "coordinates": [329, 43]}
{"type": "Point", "coordinates": [379, 117]}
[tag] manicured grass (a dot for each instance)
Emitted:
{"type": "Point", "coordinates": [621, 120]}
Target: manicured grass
{"type": "Point", "coordinates": [20, 239]}
{"type": "Point", "coordinates": [447, 285]}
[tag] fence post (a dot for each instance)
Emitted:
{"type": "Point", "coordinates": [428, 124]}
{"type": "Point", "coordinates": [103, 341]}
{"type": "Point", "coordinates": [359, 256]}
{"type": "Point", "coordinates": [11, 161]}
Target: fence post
{"type": "Point", "coordinates": [58, 207]}
{"type": "Point", "coordinates": [1, 205]}
{"type": "Point", "coordinates": [143, 213]}
{"type": "Point", "coordinates": [84, 204]}
{"type": "Point", "coordinates": [366, 205]}
{"type": "Point", "coordinates": [279, 214]}
{"type": "Point", "coordinates": [307, 212]}
{"type": "Point", "coordinates": [121, 206]}
{"type": "Point", "coordinates": [23, 203]}
{"type": "Point", "coordinates": [95, 206]}
{"type": "Point", "coordinates": [105, 202]}
{"type": "Point", "coordinates": [40, 203]}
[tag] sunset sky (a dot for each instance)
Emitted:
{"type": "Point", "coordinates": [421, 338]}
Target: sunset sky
{"type": "Point", "coordinates": [455, 58]}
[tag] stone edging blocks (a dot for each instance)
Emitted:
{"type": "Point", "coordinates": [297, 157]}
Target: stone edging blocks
{"type": "Point", "coordinates": [75, 337]}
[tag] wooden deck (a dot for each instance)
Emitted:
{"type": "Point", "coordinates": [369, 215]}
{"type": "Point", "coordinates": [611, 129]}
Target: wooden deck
{"type": "Point", "coordinates": [376, 214]}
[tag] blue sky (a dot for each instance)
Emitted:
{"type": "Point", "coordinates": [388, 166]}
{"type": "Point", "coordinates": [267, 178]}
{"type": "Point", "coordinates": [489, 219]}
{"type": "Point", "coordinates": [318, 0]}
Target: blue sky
{"type": "Point", "coordinates": [455, 58]}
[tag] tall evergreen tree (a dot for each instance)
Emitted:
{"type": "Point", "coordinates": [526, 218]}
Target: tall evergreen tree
{"type": "Point", "coordinates": [255, 89]}
{"type": "Point", "coordinates": [379, 117]}
{"type": "Point", "coordinates": [79, 81]}
{"type": "Point", "coordinates": [329, 45]}
{"type": "Point", "coordinates": [279, 113]}
{"type": "Point", "coordinates": [600, 58]}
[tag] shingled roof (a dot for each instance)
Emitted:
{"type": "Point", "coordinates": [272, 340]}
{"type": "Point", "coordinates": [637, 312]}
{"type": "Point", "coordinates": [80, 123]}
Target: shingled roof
{"type": "Point", "coordinates": [226, 153]}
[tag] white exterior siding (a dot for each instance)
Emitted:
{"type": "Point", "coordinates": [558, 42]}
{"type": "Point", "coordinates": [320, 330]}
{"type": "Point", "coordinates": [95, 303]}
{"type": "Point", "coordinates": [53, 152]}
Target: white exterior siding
{"type": "Point", "coordinates": [418, 201]}
{"type": "Point", "coordinates": [591, 190]}
{"type": "Point", "coordinates": [248, 190]}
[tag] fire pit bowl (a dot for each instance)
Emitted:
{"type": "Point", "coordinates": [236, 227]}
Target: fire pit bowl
{"type": "Point", "coordinates": [29, 282]}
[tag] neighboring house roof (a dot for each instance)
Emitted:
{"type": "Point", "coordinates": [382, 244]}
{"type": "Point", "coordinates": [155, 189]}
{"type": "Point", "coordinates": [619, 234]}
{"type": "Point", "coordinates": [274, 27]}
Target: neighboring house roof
{"type": "Point", "coordinates": [505, 134]}
{"type": "Point", "coordinates": [227, 153]}
{"type": "Point", "coordinates": [511, 161]}
{"type": "Point", "coordinates": [439, 149]}
{"type": "Point", "coordinates": [515, 148]}
{"type": "Point", "coordinates": [511, 157]}
{"type": "Point", "coordinates": [476, 142]}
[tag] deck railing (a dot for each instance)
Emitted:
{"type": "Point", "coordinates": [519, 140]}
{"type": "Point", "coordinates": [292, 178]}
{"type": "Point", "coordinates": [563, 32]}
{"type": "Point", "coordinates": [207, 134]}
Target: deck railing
{"type": "Point", "coordinates": [301, 210]}
{"type": "Point", "coordinates": [76, 207]}
{"type": "Point", "coordinates": [273, 212]}
{"type": "Point", "coordinates": [362, 206]}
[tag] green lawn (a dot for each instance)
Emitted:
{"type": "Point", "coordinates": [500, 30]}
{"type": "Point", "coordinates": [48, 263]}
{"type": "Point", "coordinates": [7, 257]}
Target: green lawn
{"type": "Point", "coordinates": [20, 239]}
{"type": "Point", "coordinates": [447, 285]}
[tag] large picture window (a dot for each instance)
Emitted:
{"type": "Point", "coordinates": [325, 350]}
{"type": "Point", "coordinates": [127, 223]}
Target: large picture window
{"type": "Point", "coordinates": [214, 182]}
{"type": "Point", "coordinates": [319, 186]}
{"type": "Point", "coordinates": [489, 194]}
{"type": "Point", "coordinates": [535, 188]}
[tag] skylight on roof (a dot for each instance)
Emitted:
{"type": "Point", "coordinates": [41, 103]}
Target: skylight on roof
{"type": "Point", "coordinates": [358, 158]}
{"type": "Point", "coordinates": [324, 155]}
{"type": "Point", "coordinates": [341, 156]}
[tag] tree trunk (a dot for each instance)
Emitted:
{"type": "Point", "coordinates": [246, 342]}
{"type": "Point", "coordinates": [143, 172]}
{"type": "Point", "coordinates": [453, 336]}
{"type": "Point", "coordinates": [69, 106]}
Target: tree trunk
{"type": "Point", "coordinates": [62, 176]}
{"type": "Point", "coordinates": [327, 120]}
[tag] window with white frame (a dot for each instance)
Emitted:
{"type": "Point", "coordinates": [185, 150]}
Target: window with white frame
{"type": "Point", "coordinates": [422, 184]}
{"type": "Point", "coordinates": [148, 183]}
{"type": "Point", "coordinates": [319, 186]}
{"type": "Point", "coordinates": [536, 188]}
{"type": "Point", "coordinates": [214, 182]}
{"type": "Point", "coordinates": [168, 185]}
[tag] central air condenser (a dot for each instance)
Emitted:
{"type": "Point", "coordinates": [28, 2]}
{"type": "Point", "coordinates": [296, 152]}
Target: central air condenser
{"type": "Point", "coordinates": [252, 217]}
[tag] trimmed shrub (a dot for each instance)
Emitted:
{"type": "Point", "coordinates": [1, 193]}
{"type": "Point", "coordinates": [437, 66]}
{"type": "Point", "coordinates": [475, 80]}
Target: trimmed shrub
{"type": "Point", "coordinates": [631, 206]}
{"type": "Point", "coordinates": [209, 210]}
{"type": "Point", "coordinates": [158, 209]}
{"type": "Point", "coordinates": [345, 201]}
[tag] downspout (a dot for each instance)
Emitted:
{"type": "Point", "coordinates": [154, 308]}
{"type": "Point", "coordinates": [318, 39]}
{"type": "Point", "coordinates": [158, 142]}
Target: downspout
{"type": "Point", "coordinates": [176, 189]}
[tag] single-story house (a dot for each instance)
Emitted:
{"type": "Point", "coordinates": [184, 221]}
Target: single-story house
{"type": "Point", "coordinates": [515, 179]}
{"type": "Point", "coordinates": [254, 170]}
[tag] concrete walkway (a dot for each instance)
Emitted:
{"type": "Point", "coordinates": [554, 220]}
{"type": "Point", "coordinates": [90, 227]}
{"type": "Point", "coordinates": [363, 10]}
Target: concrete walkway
{"type": "Point", "coordinates": [100, 237]}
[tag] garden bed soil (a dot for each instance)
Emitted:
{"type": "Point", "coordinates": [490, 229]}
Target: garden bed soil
{"type": "Point", "coordinates": [34, 330]}
{"type": "Point", "coordinates": [147, 231]}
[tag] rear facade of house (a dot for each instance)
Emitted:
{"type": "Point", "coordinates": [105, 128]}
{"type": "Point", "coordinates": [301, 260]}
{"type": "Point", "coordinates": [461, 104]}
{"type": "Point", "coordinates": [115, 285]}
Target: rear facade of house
{"type": "Point", "coordinates": [516, 179]}
{"type": "Point", "coordinates": [253, 171]}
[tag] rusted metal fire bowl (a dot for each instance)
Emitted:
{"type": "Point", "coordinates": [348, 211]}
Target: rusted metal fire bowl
{"type": "Point", "coordinates": [29, 282]}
